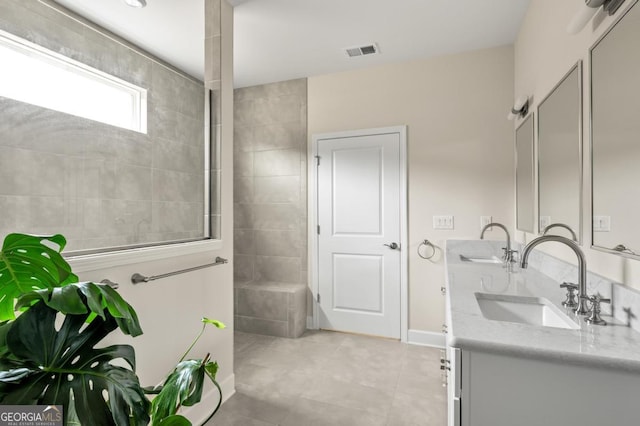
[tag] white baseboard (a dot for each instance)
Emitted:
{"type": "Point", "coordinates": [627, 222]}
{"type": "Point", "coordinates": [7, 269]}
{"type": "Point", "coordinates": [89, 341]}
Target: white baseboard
{"type": "Point", "coordinates": [426, 338]}
{"type": "Point", "coordinates": [200, 412]}
{"type": "Point", "coordinates": [228, 387]}
{"type": "Point", "coordinates": [414, 337]}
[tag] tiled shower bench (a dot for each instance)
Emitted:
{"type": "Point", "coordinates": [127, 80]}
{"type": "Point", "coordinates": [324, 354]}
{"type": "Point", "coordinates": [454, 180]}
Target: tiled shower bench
{"type": "Point", "coordinates": [271, 308]}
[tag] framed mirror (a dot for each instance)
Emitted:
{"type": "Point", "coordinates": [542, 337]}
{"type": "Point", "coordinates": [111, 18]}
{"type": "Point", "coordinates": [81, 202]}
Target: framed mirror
{"type": "Point", "coordinates": [615, 133]}
{"type": "Point", "coordinates": [560, 158]}
{"type": "Point", "coordinates": [524, 176]}
{"type": "Point", "coordinates": [105, 124]}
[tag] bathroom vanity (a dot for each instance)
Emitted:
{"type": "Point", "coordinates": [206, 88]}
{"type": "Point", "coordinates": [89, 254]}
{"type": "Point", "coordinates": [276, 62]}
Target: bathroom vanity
{"type": "Point", "coordinates": [516, 356]}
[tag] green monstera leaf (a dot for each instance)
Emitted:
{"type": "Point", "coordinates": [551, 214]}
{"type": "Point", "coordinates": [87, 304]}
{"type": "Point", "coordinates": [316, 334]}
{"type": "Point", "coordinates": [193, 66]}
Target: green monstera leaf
{"type": "Point", "coordinates": [63, 367]}
{"type": "Point", "coordinates": [27, 263]}
{"type": "Point", "coordinates": [175, 420]}
{"type": "Point", "coordinates": [81, 298]}
{"type": "Point", "coordinates": [182, 387]}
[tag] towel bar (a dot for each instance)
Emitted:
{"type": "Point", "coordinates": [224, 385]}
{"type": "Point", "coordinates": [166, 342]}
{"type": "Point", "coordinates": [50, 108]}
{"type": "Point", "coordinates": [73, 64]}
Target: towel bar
{"type": "Point", "coordinates": [139, 278]}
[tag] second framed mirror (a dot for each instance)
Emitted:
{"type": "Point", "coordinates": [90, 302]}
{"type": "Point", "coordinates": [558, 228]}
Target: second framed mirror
{"type": "Point", "coordinates": [560, 158]}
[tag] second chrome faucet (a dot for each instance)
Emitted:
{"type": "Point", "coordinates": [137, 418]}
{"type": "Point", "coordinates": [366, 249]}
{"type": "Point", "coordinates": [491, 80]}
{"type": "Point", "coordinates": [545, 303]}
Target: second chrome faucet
{"type": "Point", "coordinates": [508, 253]}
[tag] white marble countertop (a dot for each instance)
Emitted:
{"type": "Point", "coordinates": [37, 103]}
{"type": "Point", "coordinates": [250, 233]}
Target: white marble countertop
{"type": "Point", "coordinates": [612, 346]}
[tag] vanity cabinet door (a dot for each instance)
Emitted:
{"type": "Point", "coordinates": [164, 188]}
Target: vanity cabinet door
{"type": "Point", "coordinates": [503, 390]}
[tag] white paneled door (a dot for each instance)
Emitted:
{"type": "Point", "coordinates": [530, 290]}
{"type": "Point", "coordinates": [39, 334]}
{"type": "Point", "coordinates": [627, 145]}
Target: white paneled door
{"type": "Point", "coordinates": [358, 214]}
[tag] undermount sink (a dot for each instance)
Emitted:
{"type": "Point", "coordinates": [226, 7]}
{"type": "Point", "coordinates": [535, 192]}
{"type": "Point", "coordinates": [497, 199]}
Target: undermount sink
{"type": "Point", "coordinates": [525, 310]}
{"type": "Point", "coordinates": [478, 259]}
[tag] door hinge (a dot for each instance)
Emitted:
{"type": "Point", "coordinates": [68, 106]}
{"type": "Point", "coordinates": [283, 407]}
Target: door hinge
{"type": "Point", "coordinates": [318, 297]}
{"type": "Point", "coordinates": [318, 229]}
{"type": "Point", "coordinates": [317, 160]}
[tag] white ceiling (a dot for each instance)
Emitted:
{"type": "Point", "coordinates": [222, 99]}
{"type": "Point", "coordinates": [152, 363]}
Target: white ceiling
{"type": "Point", "coordinates": [276, 40]}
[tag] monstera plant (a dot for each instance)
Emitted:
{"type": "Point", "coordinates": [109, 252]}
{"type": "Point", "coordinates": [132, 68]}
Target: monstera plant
{"type": "Point", "coordinates": [51, 326]}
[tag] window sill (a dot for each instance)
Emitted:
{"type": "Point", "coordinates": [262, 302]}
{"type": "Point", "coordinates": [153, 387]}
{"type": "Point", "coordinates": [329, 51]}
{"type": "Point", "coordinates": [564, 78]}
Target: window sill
{"type": "Point", "coordinates": [93, 262]}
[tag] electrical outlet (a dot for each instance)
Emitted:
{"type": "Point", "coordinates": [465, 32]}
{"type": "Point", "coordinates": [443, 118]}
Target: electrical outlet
{"type": "Point", "coordinates": [544, 222]}
{"type": "Point", "coordinates": [443, 222]}
{"type": "Point", "coordinates": [602, 224]}
{"type": "Point", "coordinates": [484, 221]}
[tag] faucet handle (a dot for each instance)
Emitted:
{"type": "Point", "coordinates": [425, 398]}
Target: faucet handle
{"type": "Point", "coordinates": [505, 254]}
{"type": "Point", "coordinates": [509, 255]}
{"type": "Point", "coordinates": [570, 302]}
{"type": "Point", "coordinates": [569, 286]}
{"type": "Point", "coordinates": [594, 315]}
{"type": "Point", "coordinates": [598, 299]}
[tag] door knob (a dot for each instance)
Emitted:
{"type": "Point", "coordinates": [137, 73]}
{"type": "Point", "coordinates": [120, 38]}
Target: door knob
{"type": "Point", "coordinates": [393, 246]}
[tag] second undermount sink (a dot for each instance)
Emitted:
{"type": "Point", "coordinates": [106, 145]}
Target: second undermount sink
{"type": "Point", "coordinates": [525, 310]}
{"type": "Point", "coordinates": [480, 259]}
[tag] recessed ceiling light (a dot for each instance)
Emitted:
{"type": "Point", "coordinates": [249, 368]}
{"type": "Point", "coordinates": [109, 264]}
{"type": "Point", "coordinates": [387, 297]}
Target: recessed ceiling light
{"type": "Point", "coordinates": [136, 3]}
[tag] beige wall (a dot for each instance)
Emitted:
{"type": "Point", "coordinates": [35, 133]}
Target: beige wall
{"type": "Point", "coordinates": [544, 52]}
{"type": "Point", "coordinates": [460, 148]}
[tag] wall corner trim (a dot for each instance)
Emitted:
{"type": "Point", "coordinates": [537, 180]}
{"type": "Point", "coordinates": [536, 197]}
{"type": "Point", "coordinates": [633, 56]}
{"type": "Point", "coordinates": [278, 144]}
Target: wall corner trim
{"type": "Point", "coordinates": [310, 323]}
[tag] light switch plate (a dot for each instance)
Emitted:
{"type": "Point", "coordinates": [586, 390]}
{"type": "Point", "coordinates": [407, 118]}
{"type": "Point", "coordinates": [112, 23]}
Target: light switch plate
{"type": "Point", "coordinates": [602, 224]}
{"type": "Point", "coordinates": [484, 221]}
{"type": "Point", "coordinates": [443, 222]}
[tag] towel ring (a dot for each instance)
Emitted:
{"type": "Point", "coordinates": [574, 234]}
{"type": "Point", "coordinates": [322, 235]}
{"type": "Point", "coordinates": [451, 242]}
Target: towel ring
{"type": "Point", "coordinates": [428, 244]}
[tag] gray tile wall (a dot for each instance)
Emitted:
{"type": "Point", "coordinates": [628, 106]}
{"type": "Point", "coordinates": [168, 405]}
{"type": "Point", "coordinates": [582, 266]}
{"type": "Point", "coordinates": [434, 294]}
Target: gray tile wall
{"type": "Point", "coordinates": [270, 150]}
{"type": "Point", "coordinates": [97, 184]}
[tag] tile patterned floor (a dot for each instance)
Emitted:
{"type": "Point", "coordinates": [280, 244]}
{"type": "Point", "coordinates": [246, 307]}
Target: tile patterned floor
{"type": "Point", "coordinates": [333, 379]}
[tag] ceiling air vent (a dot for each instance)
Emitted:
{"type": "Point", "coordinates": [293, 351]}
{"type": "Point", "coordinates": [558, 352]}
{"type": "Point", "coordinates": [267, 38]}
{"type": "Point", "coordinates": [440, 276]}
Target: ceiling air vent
{"type": "Point", "coordinates": [369, 49]}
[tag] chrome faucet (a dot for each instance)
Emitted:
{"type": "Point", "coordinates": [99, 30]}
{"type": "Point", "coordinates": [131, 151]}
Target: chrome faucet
{"type": "Point", "coordinates": [581, 308]}
{"type": "Point", "coordinates": [508, 253]}
{"type": "Point", "coordinates": [560, 225]}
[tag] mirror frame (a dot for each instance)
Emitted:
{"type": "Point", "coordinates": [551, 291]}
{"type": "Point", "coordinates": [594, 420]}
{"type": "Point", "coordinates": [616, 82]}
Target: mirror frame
{"type": "Point", "coordinates": [578, 67]}
{"type": "Point", "coordinates": [525, 122]}
{"type": "Point", "coordinates": [633, 4]}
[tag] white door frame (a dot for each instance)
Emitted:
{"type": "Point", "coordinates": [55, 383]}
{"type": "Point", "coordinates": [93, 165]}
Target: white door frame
{"type": "Point", "coordinates": [312, 204]}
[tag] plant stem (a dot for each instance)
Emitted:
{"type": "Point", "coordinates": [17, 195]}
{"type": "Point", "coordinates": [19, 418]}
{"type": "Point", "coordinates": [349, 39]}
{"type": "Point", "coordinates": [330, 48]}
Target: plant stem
{"type": "Point", "coordinates": [219, 392]}
{"type": "Point", "coordinates": [159, 387]}
{"type": "Point", "coordinates": [192, 344]}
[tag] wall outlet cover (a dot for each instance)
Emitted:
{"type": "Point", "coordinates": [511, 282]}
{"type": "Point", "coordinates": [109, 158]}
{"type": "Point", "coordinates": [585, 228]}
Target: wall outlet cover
{"type": "Point", "coordinates": [442, 222]}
